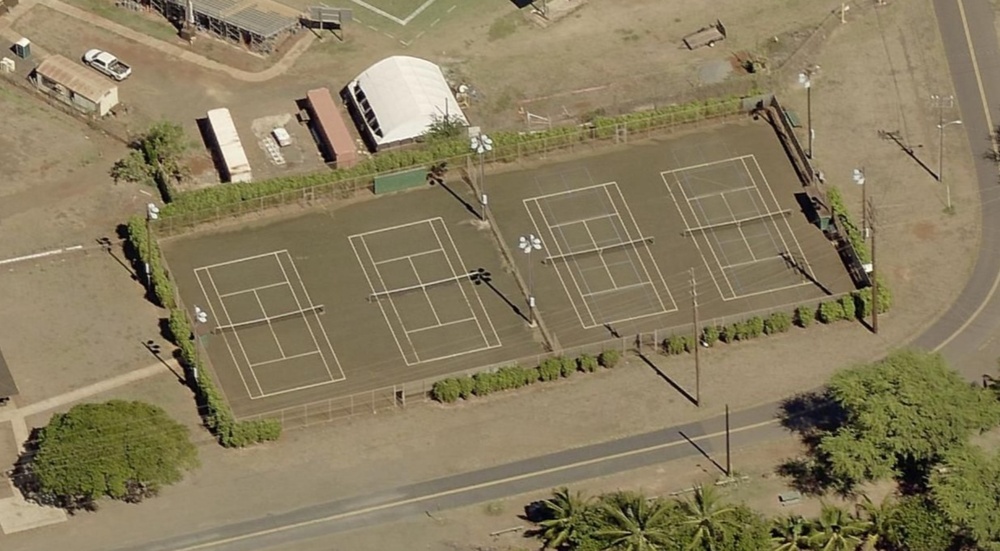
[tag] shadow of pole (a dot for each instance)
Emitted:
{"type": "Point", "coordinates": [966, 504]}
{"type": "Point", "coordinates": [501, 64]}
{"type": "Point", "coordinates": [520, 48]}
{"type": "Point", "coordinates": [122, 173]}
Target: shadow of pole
{"type": "Point", "coordinates": [468, 206]}
{"type": "Point", "coordinates": [513, 306]}
{"type": "Point", "coordinates": [894, 136]}
{"type": "Point", "coordinates": [702, 452]}
{"type": "Point", "coordinates": [667, 378]}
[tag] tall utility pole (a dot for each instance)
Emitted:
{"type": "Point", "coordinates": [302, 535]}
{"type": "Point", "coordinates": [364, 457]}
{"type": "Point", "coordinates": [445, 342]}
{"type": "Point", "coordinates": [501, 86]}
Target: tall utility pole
{"type": "Point", "coordinates": [805, 79]}
{"type": "Point", "coordinates": [729, 460]}
{"type": "Point", "coordinates": [875, 296]}
{"type": "Point", "coordinates": [697, 340]}
{"type": "Point", "coordinates": [859, 178]}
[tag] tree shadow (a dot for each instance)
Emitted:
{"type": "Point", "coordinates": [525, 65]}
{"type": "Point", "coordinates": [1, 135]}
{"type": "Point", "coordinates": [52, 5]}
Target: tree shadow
{"type": "Point", "coordinates": [811, 416]}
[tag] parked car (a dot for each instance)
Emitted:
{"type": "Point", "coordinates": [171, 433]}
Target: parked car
{"type": "Point", "coordinates": [107, 64]}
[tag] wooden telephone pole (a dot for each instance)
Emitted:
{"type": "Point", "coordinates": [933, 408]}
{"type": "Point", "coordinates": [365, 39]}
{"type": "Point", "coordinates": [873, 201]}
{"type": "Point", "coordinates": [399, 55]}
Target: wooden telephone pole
{"type": "Point", "coordinates": [697, 340]}
{"type": "Point", "coordinates": [875, 296]}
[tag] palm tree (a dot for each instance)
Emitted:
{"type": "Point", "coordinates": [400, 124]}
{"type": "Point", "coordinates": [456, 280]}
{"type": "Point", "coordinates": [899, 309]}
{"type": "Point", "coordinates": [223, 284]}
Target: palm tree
{"type": "Point", "coordinates": [565, 515]}
{"type": "Point", "coordinates": [882, 522]}
{"type": "Point", "coordinates": [633, 522]}
{"type": "Point", "coordinates": [837, 530]}
{"type": "Point", "coordinates": [790, 533]}
{"type": "Point", "coordinates": [708, 514]}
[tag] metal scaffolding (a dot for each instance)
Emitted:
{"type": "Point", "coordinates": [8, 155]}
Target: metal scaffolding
{"type": "Point", "coordinates": [252, 23]}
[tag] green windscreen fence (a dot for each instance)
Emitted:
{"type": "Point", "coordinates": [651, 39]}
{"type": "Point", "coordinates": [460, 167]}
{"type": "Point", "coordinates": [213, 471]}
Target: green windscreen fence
{"type": "Point", "coordinates": [400, 180]}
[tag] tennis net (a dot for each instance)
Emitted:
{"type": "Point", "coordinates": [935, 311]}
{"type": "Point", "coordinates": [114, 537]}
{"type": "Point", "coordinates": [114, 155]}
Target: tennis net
{"type": "Point", "coordinates": [597, 250]}
{"type": "Point", "coordinates": [738, 222]}
{"type": "Point", "coordinates": [374, 297]}
{"type": "Point", "coordinates": [268, 320]}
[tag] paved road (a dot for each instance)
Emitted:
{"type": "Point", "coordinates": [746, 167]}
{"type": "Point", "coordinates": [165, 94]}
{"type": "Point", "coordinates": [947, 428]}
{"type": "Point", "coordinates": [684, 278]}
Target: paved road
{"type": "Point", "coordinates": [964, 334]}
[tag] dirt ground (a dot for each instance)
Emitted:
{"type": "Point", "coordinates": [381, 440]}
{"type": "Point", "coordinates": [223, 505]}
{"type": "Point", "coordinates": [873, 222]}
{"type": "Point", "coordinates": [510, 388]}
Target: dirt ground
{"type": "Point", "coordinates": [927, 254]}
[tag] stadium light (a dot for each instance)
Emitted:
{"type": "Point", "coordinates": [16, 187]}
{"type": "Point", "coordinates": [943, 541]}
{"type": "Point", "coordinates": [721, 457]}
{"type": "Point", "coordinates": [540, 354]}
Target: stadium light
{"type": "Point", "coordinates": [152, 213]}
{"type": "Point", "coordinates": [529, 244]}
{"type": "Point", "coordinates": [482, 144]}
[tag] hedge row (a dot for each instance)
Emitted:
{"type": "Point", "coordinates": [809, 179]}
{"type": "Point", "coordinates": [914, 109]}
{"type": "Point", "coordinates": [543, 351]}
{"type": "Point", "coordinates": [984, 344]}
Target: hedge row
{"type": "Point", "coordinates": [856, 305]}
{"type": "Point", "coordinates": [215, 412]}
{"type": "Point", "coordinates": [856, 237]}
{"type": "Point", "coordinates": [506, 145]}
{"type": "Point", "coordinates": [512, 377]}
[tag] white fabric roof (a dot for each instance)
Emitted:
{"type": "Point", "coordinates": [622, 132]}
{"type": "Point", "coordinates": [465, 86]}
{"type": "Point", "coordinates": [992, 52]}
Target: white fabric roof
{"type": "Point", "coordinates": [407, 94]}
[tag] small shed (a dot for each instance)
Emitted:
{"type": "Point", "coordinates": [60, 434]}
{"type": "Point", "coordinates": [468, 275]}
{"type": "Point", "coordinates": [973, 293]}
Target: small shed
{"type": "Point", "coordinates": [8, 389]}
{"type": "Point", "coordinates": [76, 85]}
{"type": "Point", "coordinates": [331, 130]}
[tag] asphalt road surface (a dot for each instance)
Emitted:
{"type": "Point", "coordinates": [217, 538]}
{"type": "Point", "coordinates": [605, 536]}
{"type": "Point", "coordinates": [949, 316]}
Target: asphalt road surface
{"type": "Point", "coordinates": [964, 334]}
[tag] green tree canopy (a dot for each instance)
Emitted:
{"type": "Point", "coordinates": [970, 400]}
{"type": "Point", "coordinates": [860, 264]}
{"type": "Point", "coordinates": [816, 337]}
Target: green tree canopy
{"type": "Point", "coordinates": [966, 488]}
{"type": "Point", "coordinates": [123, 450]}
{"type": "Point", "coordinates": [902, 412]}
{"type": "Point", "coordinates": [921, 526]}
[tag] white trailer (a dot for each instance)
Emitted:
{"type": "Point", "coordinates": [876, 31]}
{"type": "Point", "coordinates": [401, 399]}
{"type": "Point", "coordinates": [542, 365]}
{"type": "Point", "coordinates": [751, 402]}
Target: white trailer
{"type": "Point", "coordinates": [230, 148]}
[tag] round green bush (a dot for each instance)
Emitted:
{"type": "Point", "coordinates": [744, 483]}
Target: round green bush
{"type": "Point", "coordinates": [446, 391]}
{"type": "Point", "coordinates": [609, 358]}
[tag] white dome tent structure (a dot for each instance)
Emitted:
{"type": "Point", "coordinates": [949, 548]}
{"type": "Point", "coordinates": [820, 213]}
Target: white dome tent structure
{"type": "Point", "coordinates": [396, 100]}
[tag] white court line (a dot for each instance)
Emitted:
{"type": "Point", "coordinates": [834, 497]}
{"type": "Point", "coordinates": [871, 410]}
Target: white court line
{"type": "Point", "coordinates": [565, 192]}
{"type": "Point", "coordinates": [739, 228]}
{"type": "Point", "coordinates": [754, 261]}
{"type": "Point", "coordinates": [583, 220]}
{"type": "Point", "coordinates": [298, 304]}
{"type": "Point", "coordinates": [396, 227]}
{"type": "Point", "coordinates": [599, 254]}
{"type": "Point", "coordinates": [451, 267]}
{"type": "Point", "coordinates": [246, 259]}
{"type": "Point", "coordinates": [269, 326]}
{"type": "Point", "coordinates": [322, 330]}
{"type": "Point", "coordinates": [430, 304]}
{"type": "Point", "coordinates": [694, 237]}
{"type": "Point", "coordinates": [622, 288]}
{"type": "Point", "coordinates": [703, 165]}
{"type": "Point", "coordinates": [787, 223]}
{"type": "Point", "coordinates": [707, 195]}
{"type": "Point", "coordinates": [718, 262]}
{"type": "Point", "coordinates": [408, 257]}
{"type": "Point", "coordinates": [292, 357]}
{"type": "Point", "coordinates": [236, 334]}
{"type": "Point", "coordinates": [562, 281]}
{"type": "Point", "coordinates": [232, 354]}
{"type": "Point", "coordinates": [645, 245]}
{"type": "Point", "coordinates": [385, 315]}
{"type": "Point", "coordinates": [403, 22]}
{"type": "Point", "coordinates": [579, 290]}
{"type": "Point", "coordinates": [253, 290]}
{"type": "Point", "coordinates": [440, 325]}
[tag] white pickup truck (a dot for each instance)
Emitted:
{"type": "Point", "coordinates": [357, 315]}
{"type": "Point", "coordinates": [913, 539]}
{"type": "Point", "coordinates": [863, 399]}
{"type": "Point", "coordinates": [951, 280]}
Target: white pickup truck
{"type": "Point", "coordinates": [107, 64]}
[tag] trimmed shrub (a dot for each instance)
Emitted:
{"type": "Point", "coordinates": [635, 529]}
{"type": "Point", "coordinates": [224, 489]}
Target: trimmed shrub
{"type": "Point", "coordinates": [727, 333]}
{"type": "Point", "coordinates": [710, 335]}
{"type": "Point", "coordinates": [830, 311]}
{"type": "Point", "coordinates": [739, 331]}
{"type": "Point", "coordinates": [804, 316]}
{"type": "Point", "coordinates": [446, 391]}
{"type": "Point", "coordinates": [847, 307]}
{"type": "Point", "coordinates": [754, 327]}
{"type": "Point", "coordinates": [567, 366]}
{"type": "Point", "coordinates": [549, 370]}
{"type": "Point", "coordinates": [484, 383]}
{"type": "Point", "coordinates": [674, 345]}
{"type": "Point", "coordinates": [689, 343]}
{"type": "Point", "coordinates": [778, 322]}
{"type": "Point", "coordinates": [509, 378]}
{"type": "Point", "coordinates": [465, 386]}
{"type": "Point", "coordinates": [588, 363]}
{"type": "Point", "coordinates": [609, 358]}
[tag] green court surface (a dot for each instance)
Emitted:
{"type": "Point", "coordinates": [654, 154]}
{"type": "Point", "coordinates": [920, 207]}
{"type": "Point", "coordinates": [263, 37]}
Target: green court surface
{"type": "Point", "coordinates": [377, 293]}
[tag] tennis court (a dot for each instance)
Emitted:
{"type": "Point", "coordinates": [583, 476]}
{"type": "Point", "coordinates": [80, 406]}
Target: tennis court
{"type": "Point", "coordinates": [730, 211]}
{"type": "Point", "coordinates": [269, 324]}
{"type": "Point", "coordinates": [419, 282]}
{"type": "Point", "coordinates": [599, 253]}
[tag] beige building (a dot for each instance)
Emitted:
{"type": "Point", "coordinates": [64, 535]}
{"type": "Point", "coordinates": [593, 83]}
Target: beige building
{"type": "Point", "coordinates": [76, 84]}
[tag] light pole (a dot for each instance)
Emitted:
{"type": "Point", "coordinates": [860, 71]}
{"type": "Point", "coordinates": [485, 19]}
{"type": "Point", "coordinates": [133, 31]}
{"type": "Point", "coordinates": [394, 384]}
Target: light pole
{"type": "Point", "coordinates": [859, 178]}
{"type": "Point", "coordinates": [530, 244]}
{"type": "Point", "coordinates": [805, 79]}
{"type": "Point", "coordinates": [152, 213]}
{"type": "Point", "coordinates": [482, 144]}
{"type": "Point", "coordinates": [200, 318]}
{"type": "Point", "coordinates": [941, 127]}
